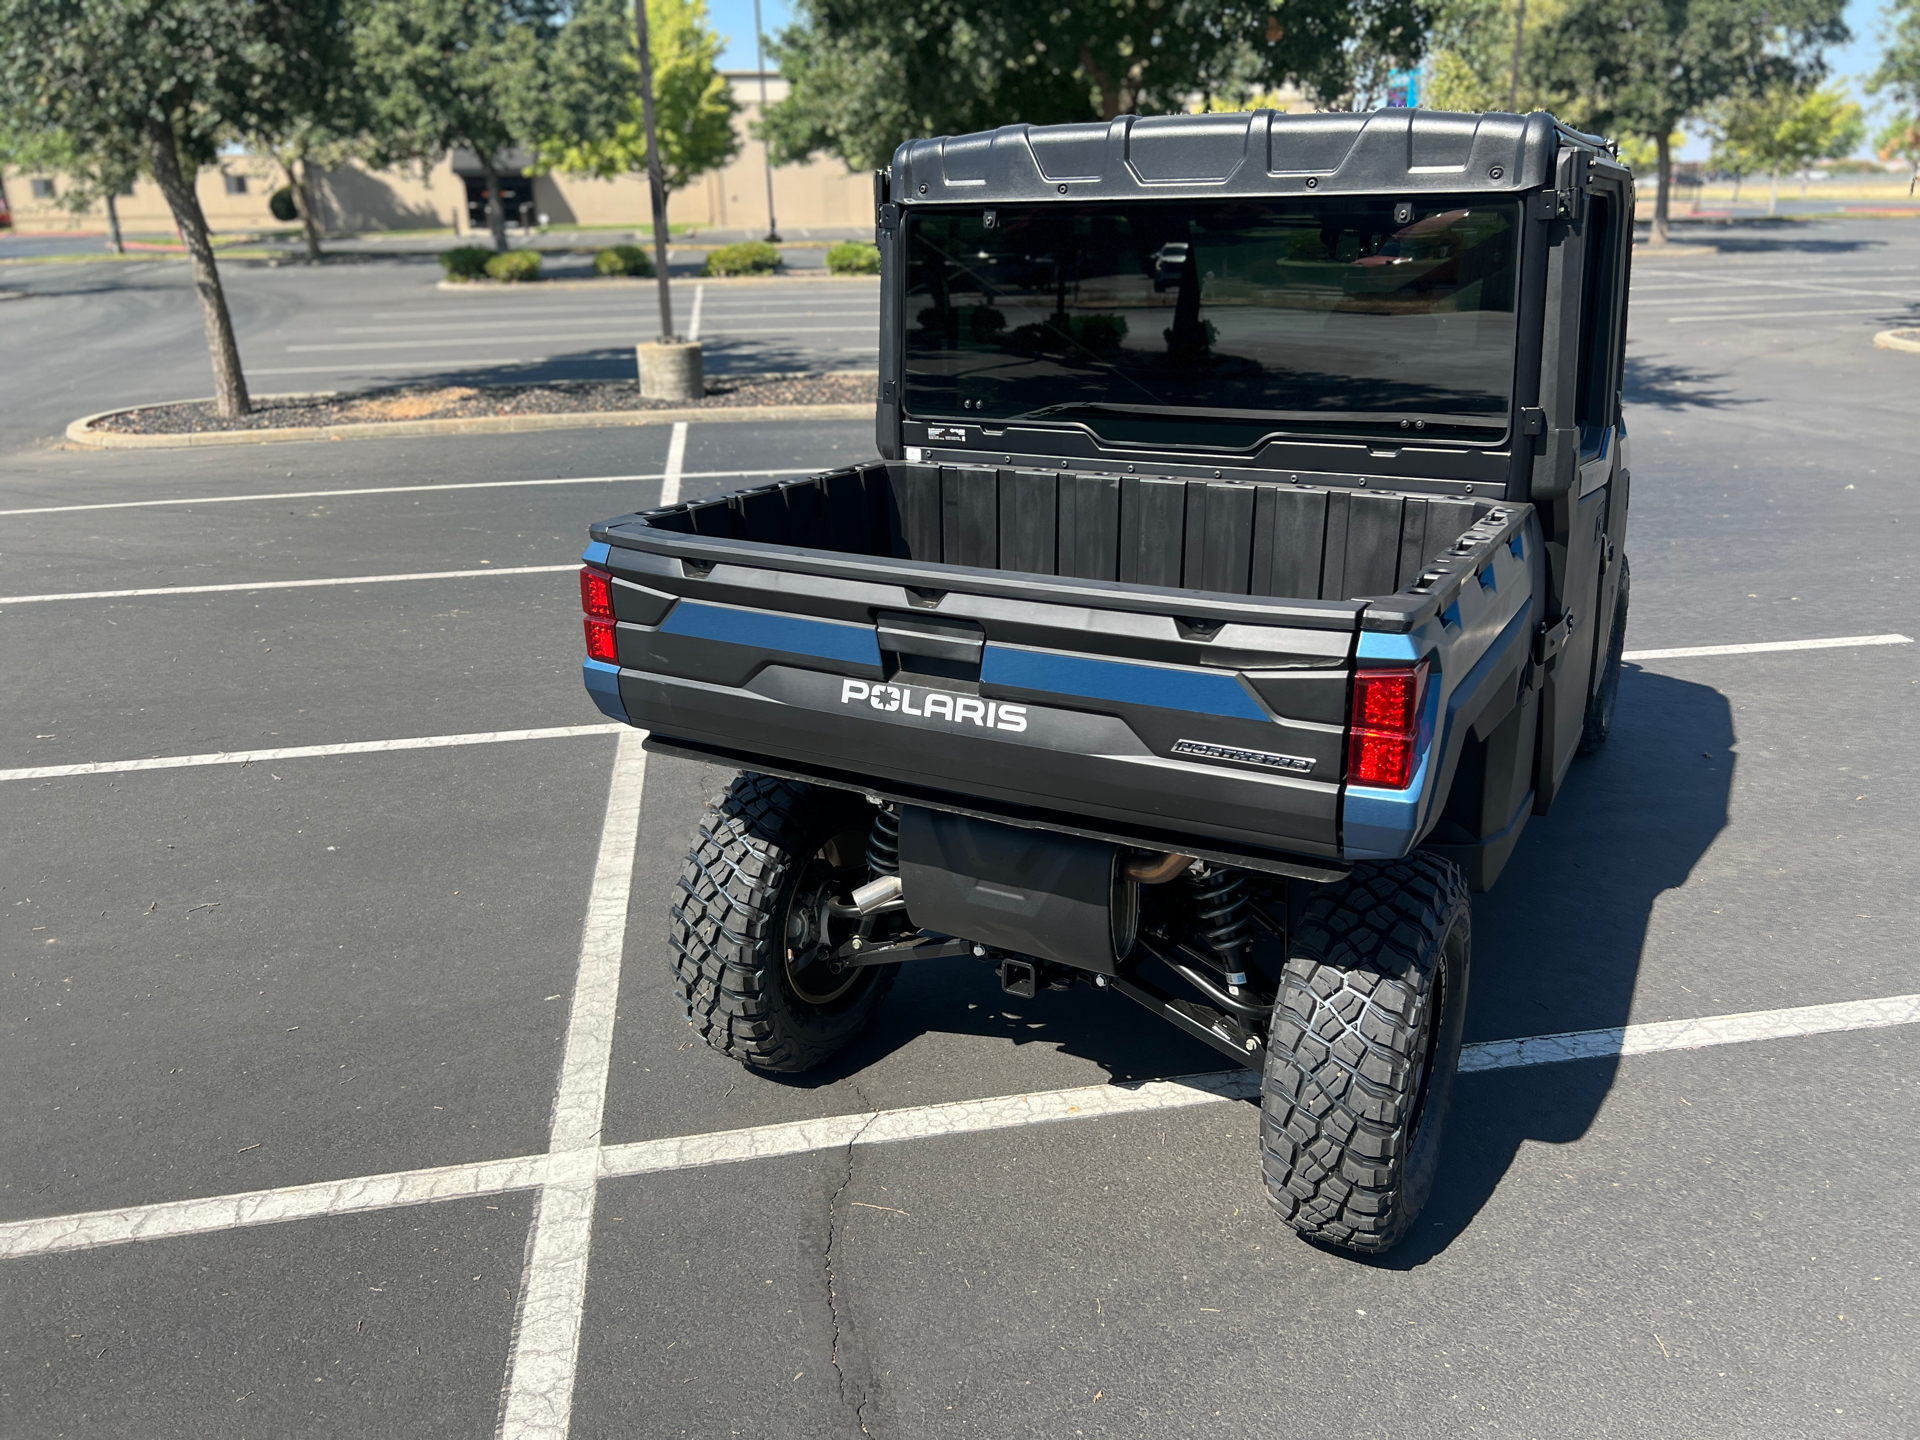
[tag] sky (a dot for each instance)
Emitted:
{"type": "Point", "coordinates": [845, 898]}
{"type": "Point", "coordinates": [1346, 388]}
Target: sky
{"type": "Point", "coordinates": [734, 20]}
{"type": "Point", "coordinates": [1866, 18]}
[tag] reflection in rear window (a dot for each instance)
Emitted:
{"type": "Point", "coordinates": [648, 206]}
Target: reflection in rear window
{"type": "Point", "coordinates": [1217, 325]}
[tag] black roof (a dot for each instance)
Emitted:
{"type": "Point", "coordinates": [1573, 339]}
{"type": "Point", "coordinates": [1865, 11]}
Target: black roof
{"type": "Point", "coordinates": [1177, 157]}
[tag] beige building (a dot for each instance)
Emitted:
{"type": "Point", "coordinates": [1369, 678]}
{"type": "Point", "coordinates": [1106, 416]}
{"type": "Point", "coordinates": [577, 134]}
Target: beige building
{"type": "Point", "coordinates": [235, 194]}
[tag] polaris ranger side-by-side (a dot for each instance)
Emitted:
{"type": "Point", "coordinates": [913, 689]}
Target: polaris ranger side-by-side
{"type": "Point", "coordinates": [1243, 565]}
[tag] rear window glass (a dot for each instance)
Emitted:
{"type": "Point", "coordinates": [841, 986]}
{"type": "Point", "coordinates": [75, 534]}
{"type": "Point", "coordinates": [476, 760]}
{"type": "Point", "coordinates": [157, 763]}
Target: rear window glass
{"type": "Point", "coordinates": [1217, 325]}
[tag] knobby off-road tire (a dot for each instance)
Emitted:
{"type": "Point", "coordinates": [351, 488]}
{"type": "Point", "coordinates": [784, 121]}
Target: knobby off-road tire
{"type": "Point", "coordinates": [1599, 719]}
{"type": "Point", "coordinates": [764, 845]}
{"type": "Point", "coordinates": [1361, 1052]}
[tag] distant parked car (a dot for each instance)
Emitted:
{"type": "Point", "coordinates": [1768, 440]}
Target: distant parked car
{"type": "Point", "coordinates": [1168, 261]}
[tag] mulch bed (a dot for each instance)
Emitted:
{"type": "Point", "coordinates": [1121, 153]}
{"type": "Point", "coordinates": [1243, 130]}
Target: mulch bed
{"type": "Point", "coordinates": [461, 402]}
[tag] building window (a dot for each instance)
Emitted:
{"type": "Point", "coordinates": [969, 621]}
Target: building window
{"type": "Point", "coordinates": [125, 190]}
{"type": "Point", "coordinates": [236, 184]}
{"type": "Point", "coordinates": [43, 189]}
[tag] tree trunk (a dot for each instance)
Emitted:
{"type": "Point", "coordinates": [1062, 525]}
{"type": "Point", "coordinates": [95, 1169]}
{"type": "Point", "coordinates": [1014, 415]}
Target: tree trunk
{"type": "Point", "coordinates": [1736, 190]}
{"type": "Point", "coordinates": [229, 383]}
{"type": "Point", "coordinates": [113, 225]}
{"type": "Point", "coordinates": [496, 212]}
{"type": "Point", "coordinates": [1773, 191]}
{"type": "Point", "coordinates": [1663, 148]}
{"type": "Point", "coordinates": [1111, 103]}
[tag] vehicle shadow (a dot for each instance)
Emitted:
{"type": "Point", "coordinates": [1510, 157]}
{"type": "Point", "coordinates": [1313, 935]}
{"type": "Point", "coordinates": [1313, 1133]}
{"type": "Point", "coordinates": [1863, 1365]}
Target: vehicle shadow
{"type": "Point", "coordinates": [1557, 947]}
{"type": "Point", "coordinates": [1558, 942]}
{"type": "Point", "coordinates": [1671, 386]}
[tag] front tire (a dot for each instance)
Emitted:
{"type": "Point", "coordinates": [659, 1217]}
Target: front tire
{"type": "Point", "coordinates": [750, 932]}
{"type": "Point", "coordinates": [1361, 1052]}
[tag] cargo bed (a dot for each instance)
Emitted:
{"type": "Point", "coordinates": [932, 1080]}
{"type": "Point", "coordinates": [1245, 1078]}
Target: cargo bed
{"type": "Point", "coordinates": [1142, 658]}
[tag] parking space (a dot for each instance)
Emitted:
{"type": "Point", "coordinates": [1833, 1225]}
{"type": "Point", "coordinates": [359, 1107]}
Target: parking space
{"type": "Point", "coordinates": [89, 336]}
{"type": "Point", "coordinates": [408, 1000]}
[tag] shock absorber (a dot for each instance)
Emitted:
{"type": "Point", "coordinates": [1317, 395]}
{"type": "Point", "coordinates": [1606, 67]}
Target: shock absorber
{"type": "Point", "coordinates": [883, 844]}
{"type": "Point", "coordinates": [1220, 900]}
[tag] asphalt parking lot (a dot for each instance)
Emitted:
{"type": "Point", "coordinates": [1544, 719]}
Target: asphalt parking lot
{"type": "Point", "coordinates": [305, 1029]}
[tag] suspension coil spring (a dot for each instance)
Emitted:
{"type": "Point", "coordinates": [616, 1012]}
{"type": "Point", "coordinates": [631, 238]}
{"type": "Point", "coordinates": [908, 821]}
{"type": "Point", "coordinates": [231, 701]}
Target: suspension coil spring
{"type": "Point", "coordinates": [1221, 902]}
{"type": "Point", "coordinates": [883, 844]}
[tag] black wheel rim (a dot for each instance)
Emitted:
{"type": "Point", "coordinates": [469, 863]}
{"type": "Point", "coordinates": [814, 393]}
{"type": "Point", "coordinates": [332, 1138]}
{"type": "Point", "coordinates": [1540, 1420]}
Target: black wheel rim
{"type": "Point", "coordinates": [810, 934]}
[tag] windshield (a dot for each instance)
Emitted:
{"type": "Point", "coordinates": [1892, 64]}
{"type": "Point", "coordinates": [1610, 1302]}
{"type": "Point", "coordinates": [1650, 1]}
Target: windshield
{"type": "Point", "coordinates": [1217, 325]}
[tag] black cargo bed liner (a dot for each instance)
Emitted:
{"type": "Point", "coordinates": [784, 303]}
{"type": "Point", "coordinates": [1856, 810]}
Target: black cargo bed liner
{"type": "Point", "coordinates": [1226, 537]}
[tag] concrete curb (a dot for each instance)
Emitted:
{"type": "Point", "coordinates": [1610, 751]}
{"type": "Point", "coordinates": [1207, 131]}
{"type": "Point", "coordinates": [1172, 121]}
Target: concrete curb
{"type": "Point", "coordinates": [80, 431]}
{"type": "Point", "coordinates": [1899, 340]}
{"type": "Point", "coordinates": [628, 282]}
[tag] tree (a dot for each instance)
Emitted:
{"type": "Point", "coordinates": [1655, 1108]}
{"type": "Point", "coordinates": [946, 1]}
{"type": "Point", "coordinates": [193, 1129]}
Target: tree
{"type": "Point", "coordinates": [95, 174]}
{"type": "Point", "coordinates": [695, 107]}
{"type": "Point", "coordinates": [867, 74]}
{"type": "Point", "coordinates": [166, 79]}
{"type": "Point", "coordinates": [1786, 128]}
{"type": "Point", "coordinates": [484, 75]}
{"type": "Point", "coordinates": [320, 111]}
{"type": "Point", "coordinates": [1898, 75]}
{"type": "Point", "coordinates": [1900, 140]}
{"type": "Point", "coordinates": [1646, 66]}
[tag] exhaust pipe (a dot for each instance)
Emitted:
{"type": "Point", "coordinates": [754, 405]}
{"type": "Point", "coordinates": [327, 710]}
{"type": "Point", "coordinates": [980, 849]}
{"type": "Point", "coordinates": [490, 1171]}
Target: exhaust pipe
{"type": "Point", "coordinates": [1156, 870]}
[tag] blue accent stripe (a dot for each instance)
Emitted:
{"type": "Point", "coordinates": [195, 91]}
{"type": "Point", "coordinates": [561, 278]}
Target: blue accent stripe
{"type": "Point", "coordinates": [1394, 649]}
{"type": "Point", "coordinates": [1166, 687]}
{"type": "Point", "coordinates": [598, 553]}
{"type": "Point", "coordinates": [603, 684]}
{"type": "Point", "coordinates": [795, 634]}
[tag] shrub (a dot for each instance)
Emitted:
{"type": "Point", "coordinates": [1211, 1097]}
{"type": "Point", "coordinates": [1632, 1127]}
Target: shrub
{"type": "Point", "coordinates": [622, 260]}
{"type": "Point", "coordinates": [515, 266]}
{"type": "Point", "coordinates": [853, 257]}
{"type": "Point", "coordinates": [281, 204]}
{"type": "Point", "coordinates": [467, 262]}
{"type": "Point", "coordinates": [755, 257]}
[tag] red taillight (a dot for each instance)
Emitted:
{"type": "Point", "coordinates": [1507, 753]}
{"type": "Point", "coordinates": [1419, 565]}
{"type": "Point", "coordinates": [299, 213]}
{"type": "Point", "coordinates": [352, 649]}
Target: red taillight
{"type": "Point", "coordinates": [596, 593]}
{"type": "Point", "coordinates": [1386, 722]}
{"type": "Point", "coordinates": [600, 641]}
{"type": "Point", "coordinates": [596, 598]}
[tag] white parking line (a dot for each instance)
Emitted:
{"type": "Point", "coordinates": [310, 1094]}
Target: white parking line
{"type": "Point", "coordinates": [380, 367]}
{"type": "Point", "coordinates": [546, 1337]}
{"type": "Point", "coordinates": [283, 584]}
{"type": "Point", "coordinates": [401, 490]}
{"type": "Point", "coordinates": [92, 1229]}
{"type": "Point", "coordinates": [1745, 315]}
{"type": "Point", "coordinates": [676, 458]}
{"type": "Point", "coordinates": [1765, 647]}
{"type": "Point", "coordinates": [693, 321]}
{"type": "Point", "coordinates": [309, 752]}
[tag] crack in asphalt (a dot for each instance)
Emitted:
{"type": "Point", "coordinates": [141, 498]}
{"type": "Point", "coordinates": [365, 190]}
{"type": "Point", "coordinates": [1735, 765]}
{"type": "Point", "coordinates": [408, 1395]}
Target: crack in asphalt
{"type": "Point", "coordinates": [856, 1407]}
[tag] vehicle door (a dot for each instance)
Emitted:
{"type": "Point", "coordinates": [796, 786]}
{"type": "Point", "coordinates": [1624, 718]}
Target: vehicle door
{"type": "Point", "coordinates": [1576, 473]}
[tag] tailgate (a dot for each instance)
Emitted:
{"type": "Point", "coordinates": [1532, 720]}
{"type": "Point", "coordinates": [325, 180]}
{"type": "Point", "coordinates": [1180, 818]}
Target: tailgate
{"type": "Point", "coordinates": [1117, 710]}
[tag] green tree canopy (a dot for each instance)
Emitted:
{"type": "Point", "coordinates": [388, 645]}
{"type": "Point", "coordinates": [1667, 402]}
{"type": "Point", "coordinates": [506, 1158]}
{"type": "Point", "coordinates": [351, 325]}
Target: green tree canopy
{"type": "Point", "coordinates": [1784, 128]}
{"type": "Point", "coordinates": [486, 76]}
{"type": "Point", "coordinates": [867, 74]}
{"type": "Point", "coordinates": [1646, 66]}
{"type": "Point", "coordinates": [694, 107]}
{"type": "Point", "coordinates": [1898, 76]}
{"type": "Point", "coordinates": [169, 80]}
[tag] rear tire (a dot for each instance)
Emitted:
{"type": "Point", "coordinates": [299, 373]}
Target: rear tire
{"type": "Point", "coordinates": [1599, 719]}
{"type": "Point", "coordinates": [1362, 1049]}
{"type": "Point", "coordinates": [749, 929]}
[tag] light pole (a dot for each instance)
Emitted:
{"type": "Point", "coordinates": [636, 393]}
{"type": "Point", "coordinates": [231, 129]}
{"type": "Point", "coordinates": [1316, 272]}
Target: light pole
{"type": "Point", "coordinates": [760, 68]}
{"type": "Point", "coordinates": [656, 177]}
{"type": "Point", "coordinates": [1519, 39]}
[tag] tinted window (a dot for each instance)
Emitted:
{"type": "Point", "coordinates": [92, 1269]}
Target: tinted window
{"type": "Point", "coordinates": [1217, 325]}
{"type": "Point", "coordinates": [1600, 317]}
